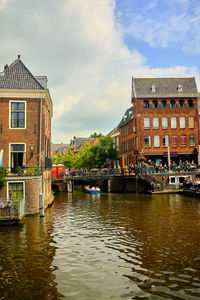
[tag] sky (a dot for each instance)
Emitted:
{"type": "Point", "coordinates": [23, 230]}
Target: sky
{"type": "Point", "coordinates": [90, 49]}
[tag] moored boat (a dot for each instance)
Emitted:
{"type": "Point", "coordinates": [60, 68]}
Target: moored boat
{"type": "Point", "coordinates": [92, 190]}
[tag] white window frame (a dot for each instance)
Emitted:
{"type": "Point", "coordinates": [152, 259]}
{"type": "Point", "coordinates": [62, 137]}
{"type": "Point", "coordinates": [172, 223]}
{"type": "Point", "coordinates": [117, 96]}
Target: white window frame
{"type": "Point", "coordinates": [149, 138]}
{"type": "Point", "coordinates": [166, 137]}
{"type": "Point", "coordinates": [146, 121]}
{"type": "Point", "coordinates": [18, 181]}
{"type": "Point", "coordinates": [173, 123]}
{"type": "Point", "coordinates": [182, 122]}
{"type": "Point", "coordinates": [191, 122]}
{"type": "Point", "coordinates": [192, 144]}
{"type": "Point", "coordinates": [18, 101]}
{"type": "Point", "coordinates": [156, 141]}
{"type": "Point", "coordinates": [164, 121]}
{"type": "Point", "coordinates": [156, 123]}
{"type": "Point", "coordinates": [11, 151]}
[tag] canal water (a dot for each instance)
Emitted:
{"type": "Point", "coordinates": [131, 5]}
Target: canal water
{"type": "Point", "coordinates": [106, 246]}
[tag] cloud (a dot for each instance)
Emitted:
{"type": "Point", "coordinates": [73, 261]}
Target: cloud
{"type": "Point", "coordinates": [80, 46]}
{"type": "Point", "coordinates": [167, 24]}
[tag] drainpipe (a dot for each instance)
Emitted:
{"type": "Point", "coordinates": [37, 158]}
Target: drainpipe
{"type": "Point", "coordinates": [40, 147]}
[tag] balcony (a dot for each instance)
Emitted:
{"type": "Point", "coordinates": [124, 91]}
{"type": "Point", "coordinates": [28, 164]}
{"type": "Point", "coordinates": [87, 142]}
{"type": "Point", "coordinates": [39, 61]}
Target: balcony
{"type": "Point", "coordinates": [11, 211]}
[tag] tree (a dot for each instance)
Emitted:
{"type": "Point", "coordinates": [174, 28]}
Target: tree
{"type": "Point", "coordinates": [103, 150]}
{"type": "Point", "coordinates": [96, 135]}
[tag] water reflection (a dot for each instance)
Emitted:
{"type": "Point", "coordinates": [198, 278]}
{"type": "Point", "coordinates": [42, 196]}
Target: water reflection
{"type": "Point", "coordinates": [105, 246]}
{"type": "Point", "coordinates": [26, 254]}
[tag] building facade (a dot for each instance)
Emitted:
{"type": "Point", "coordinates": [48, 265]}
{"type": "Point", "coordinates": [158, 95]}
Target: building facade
{"type": "Point", "coordinates": [165, 119]}
{"type": "Point", "coordinates": [25, 134]}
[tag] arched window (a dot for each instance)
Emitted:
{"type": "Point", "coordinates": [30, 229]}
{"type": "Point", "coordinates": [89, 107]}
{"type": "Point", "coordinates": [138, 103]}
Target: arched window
{"type": "Point", "coordinates": [155, 104]}
{"type": "Point", "coordinates": [146, 104]}
{"type": "Point", "coordinates": [181, 103]}
{"type": "Point", "coordinates": [164, 104]}
{"type": "Point", "coordinates": [172, 103]}
{"type": "Point", "coordinates": [190, 103]}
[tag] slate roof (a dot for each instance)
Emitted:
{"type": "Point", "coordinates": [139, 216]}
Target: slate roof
{"type": "Point", "coordinates": [127, 117]}
{"type": "Point", "coordinates": [18, 77]}
{"type": "Point", "coordinates": [164, 87]}
{"type": "Point", "coordinates": [76, 141]}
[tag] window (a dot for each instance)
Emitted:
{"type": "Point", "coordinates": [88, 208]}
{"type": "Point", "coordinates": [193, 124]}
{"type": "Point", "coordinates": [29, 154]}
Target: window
{"type": "Point", "coordinates": [155, 123]}
{"type": "Point", "coordinates": [164, 104]}
{"type": "Point", "coordinates": [179, 87]}
{"type": "Point", "coordinates": [183, 140]}
{"type": "Point", "coordinates": [173, 123]}
{"type": "Point", "coordinates": [147, 141]}
{"type": "Point", "coordinates": [146, 123]}
{"type": "Point", "coordinates": [156, 141]}
{"type": "Point", "coordinates": [15, 188]}
{"type": "Point", "coordinates": [190, 103]}
{"type": "Point", "coordinates": [155, 104]}
{"type": "Point", "coordinates": [164, 123]}
{"type": "Point", "coordinates": [172, 104]}
{"type": "Point", "coordinates": [165, 141]}
{"type": "Point", "coordinates": [174, 141]}
{"type": "Point", "coordinates": [181, 103]}
{"type": "Point", "coordinates": [17, 115]}
{"type": "Point", "coordinates": [146, 104]}
{"type": "Point", "coordinates": [17, 156]}
{"type": "Point", "coordinates": [182, 122]}
{"type": "Point", "coordinates": [192, 140]}
{"type": "Point", "coordinates": [191, 122]}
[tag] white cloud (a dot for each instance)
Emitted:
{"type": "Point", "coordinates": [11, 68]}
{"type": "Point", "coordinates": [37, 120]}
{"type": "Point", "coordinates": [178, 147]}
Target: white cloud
{"type": "Point", "coordinates": [79, 46]}
{"type": "Point", "coordinates": [174, 25]}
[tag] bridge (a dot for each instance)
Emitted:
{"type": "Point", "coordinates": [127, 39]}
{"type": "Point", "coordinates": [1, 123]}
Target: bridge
{"type": "Point", "coordinates": [139, 181]}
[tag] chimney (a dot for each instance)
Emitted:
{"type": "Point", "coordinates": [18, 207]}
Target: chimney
{"type": "Point", "coordinates": [5, 67]}
{"type": "Point", "coordinates": [18, 56]}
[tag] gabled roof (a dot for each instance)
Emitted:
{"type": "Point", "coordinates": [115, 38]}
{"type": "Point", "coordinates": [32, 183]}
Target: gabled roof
{"type": "Point", "coordinates": [114, 132]}
{"type": "Point", "coordinates": [164, 87]}
{"type": "Point", "coordinates": [18, 77]}
{"type": "Point", "coordinates": [127, 117]}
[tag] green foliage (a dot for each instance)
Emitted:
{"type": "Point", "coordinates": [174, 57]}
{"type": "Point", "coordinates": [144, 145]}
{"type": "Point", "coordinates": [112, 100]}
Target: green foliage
{"type": "Point", "coordinates": [89, 156]}
{"type": "Point", "coordinates": [2, 177]}
{"type": "Point", "coordinates": [96, 135]}
{"type": "Point", "coordinates": [16, 198]}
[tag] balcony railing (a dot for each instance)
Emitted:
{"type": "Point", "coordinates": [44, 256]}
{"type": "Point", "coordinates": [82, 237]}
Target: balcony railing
{"type": "Point", "coordinates": [21, 171]}
{"type": "Point", "coordinates": [10, 209]}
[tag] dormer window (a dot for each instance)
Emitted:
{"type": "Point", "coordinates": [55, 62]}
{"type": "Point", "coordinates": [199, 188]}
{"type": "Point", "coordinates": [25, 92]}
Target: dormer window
{"type": "Point", "coordinates": [179, 88]}
{"type": "Point", "coordinates": [153, 88]}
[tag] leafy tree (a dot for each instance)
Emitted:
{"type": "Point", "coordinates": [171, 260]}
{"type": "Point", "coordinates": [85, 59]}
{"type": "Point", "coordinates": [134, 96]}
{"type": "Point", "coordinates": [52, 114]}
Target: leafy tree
{"type": "Point", "coordinates": [103, 150]}
{"type": "Point", "coordinates": [69, 159]}
{"type": "Point", "coordinates": [96, 135]}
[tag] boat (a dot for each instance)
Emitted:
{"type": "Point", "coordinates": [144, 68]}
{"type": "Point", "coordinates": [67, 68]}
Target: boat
{"type": "Point", "coordinates": [92, 190]}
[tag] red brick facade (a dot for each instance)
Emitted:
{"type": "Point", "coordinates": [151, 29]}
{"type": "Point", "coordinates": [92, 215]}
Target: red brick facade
{"type": "Point", "coordinates": [162, 124]}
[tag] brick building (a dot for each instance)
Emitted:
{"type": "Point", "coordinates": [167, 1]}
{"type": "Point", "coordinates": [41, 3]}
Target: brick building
{"type": "Point", "coordinates": [165, 120]}
{"type": "Point", "coordinates": [25, 134]}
